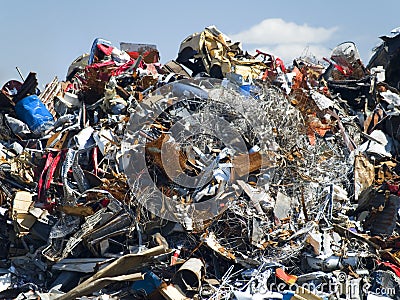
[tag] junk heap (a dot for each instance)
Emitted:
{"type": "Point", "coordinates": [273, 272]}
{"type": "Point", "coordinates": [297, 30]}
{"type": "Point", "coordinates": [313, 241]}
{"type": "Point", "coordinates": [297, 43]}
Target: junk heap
{"type": "Point", "coordinates": [218, 175]}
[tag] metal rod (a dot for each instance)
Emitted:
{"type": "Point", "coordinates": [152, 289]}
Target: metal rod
{"type": "Point", "coordinates": [20, 74]}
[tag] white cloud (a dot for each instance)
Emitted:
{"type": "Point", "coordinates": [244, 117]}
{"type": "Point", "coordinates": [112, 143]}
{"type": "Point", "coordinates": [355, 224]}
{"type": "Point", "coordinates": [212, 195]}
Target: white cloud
{"type": "Point", "coordinates": [278, 31]}
{"type": "Point", "coordinates": [286, 40]}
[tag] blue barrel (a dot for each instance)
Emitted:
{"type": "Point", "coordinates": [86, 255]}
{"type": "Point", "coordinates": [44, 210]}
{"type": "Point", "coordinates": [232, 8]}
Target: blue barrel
{"type": "Point", "coordinates": [34, 113]}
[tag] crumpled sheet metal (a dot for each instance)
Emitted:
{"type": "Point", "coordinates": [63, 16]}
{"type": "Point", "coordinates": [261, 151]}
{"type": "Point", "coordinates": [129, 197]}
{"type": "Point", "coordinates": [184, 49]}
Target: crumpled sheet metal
{"type": "Point", "coordinates": [214, 53]}
{"type": "Point", "coordinates": [250, 183]}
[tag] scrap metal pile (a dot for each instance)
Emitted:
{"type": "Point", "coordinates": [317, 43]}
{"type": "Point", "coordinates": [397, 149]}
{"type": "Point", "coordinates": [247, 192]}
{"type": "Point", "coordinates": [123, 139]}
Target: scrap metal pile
{"type": "Point", "coordinates": [218, 175]}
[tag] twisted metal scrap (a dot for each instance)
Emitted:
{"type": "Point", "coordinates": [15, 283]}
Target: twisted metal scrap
{"type": "Point", "coordinates": [304, 172]}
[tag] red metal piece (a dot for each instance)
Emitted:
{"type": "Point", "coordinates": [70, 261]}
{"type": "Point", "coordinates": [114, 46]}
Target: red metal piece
{"type": "Point", "coordinates": [49, 160]}
{"type": "Point", "coordinates": [50, 173]}
{"type": "Point", "coordinates": [95, 160]}
{"type": "Point", "coordinates": [391, 266]}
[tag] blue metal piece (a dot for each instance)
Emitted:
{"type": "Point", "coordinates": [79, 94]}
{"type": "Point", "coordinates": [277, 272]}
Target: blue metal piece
{"type": "Point", "coordinates": [287, 295]}
{"type": "Point", "coordinates": [94, 46]}
{"type": "Point", "coordinates": [149, 284]}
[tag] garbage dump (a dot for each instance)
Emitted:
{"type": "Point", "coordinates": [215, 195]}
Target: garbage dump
{"type": "Point", "coordinates": [217, 175]}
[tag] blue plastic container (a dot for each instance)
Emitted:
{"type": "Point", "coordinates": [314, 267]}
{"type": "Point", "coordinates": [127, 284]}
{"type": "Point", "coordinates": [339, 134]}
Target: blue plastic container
{"type": "Point", "coordinates": [34, 113]}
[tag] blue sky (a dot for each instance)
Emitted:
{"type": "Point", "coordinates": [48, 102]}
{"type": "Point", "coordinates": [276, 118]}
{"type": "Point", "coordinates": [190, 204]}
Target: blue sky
{"type": "Point", "coordinates": [46, 36]}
